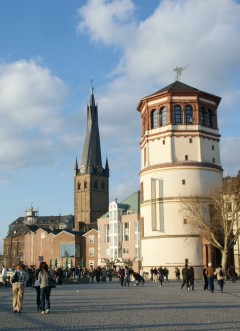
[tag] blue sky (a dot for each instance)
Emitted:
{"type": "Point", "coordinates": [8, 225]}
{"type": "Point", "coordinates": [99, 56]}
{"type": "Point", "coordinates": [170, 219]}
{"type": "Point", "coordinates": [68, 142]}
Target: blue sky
{"type": "Point", "coordinates": [49, 50]}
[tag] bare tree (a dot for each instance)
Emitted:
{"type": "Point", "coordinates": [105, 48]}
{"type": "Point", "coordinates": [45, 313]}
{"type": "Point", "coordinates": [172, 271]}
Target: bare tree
{"type": "Point", "coordinates": [215, 216]}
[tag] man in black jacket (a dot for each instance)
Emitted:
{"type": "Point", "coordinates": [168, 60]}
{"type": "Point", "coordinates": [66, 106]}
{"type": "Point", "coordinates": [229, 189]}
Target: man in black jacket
{"type": "Point", "coordinates": [185, 276]}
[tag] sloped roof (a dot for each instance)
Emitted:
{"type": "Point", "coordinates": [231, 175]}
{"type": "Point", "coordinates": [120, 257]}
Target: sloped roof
{"type": "Point", "coordinates": [131, 203]}
{"type": "Point", "coordinates": [179, 87]}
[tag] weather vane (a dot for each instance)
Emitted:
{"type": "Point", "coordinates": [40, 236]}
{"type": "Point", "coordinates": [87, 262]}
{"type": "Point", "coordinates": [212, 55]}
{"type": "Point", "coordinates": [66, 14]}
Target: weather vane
{"type": "Point", "coordinates": [179, 71]}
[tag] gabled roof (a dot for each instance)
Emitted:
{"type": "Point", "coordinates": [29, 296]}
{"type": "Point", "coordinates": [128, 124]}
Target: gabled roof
{"type": "Point", "coordinates": [89, 232]}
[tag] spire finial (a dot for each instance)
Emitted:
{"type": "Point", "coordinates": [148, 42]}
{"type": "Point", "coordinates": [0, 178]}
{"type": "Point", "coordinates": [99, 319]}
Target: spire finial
{"type": "Point", "coordinates": [91, 82]}
{"type": "Point", "coordinates": [179, 71]}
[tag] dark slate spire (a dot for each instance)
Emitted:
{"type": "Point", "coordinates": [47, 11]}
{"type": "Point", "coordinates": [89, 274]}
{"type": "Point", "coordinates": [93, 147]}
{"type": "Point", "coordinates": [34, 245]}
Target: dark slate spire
{"type": "Point", "coordinates": [91, 157]}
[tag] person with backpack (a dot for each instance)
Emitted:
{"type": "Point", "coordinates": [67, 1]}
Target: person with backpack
{"type": "Point", "coordinates": [45, 279]}
{"type": "Point", "coordinates": [18, 280]}
{"type": "Point", "coordinates": [220, 276]}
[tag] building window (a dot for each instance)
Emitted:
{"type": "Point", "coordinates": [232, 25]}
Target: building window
{"type": "Point", "coordinates": [186, 157]}
{"type": "Point", "coordinates": [103, 186]}
{"type": "Point", "coordinates": [163, 116]}
{"type": "Point", "coordinates": [213, 159]}
{"type": "Point", "coordinates": [188, 115]}
{"type": "Point", "coordinates": [125, 250]}
{"type": "Point", "coordinates": [69, 250]}
{"type": "Point", "coordinates": [95, 184]}
{"type": "Point", "coordinates": [91, 239]}
{"type": "Point", "coordinates": [184, 221]}
{"type": "Point", "coordinates": [91, 251]}
{"type": "Point", "coordinates": [154, 119]}
{"type": "Point", "coordinates": [85, 184]}
{"type": "Point", "coordinates": [125, 231]}
{"type": "Point", "coordinates": [202, 116]}
{"type": "Point", "coordinates": [177, 115]}
{"type": "Point", "coordinates": [106, 233]}
{"type": "Point", "coordinates": [183, 181]}
{"type": "Point", "coordinates": [208, 118]}
{"type": "Point", "coordinates": [163, 142]}
{"type": "Point", "coordinates": [212, 147]}
{"type": "Point", "coordinates": [145, 156]}
{"type": "Point", "coordinates": [79, 186]}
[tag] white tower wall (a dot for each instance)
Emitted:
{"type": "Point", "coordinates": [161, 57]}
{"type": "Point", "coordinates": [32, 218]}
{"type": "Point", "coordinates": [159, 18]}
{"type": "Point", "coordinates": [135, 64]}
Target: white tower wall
{"type": "Point", "coordinates": [177, 161]}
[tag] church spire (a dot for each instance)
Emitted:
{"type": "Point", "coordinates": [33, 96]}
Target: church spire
{"type": "Point", "coordinates": [91, 157]}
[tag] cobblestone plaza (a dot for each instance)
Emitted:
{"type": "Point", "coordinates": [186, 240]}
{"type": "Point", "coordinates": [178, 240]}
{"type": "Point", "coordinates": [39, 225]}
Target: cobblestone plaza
{"type": "Point", "coordinates": [108, 306]}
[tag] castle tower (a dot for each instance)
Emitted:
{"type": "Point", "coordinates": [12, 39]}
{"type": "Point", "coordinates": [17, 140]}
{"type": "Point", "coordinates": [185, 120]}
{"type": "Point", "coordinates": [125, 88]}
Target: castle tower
{"type": "Point", "coordinates": [179, 158]}
{"type": "Point", "coordinates": [91, 188]}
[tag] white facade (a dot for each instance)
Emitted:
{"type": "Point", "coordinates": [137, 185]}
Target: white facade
{"type": "Point", "coordinates": [177, 161]}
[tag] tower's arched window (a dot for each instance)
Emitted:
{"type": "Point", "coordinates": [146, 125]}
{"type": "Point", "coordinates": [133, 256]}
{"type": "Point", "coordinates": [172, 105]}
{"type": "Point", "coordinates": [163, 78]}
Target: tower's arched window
{"type": "Point", "coordinates": [188, 115]}
{"type": "Point", "coordinates": [208, 118]}
{"type": "Point", "coordinates": [85, 184]}
{"type": "Point", "coordinates": [95, 184]}
{"type": "Point", "coordinates": [177, 115]}
{"type": "Point", "coordinates": [79, 186]}
{"type": "Point", "coordinates": [163, 116]}
{"type": "Point", "coordinates": [202, 116]}
{"type": "Point", "coordinates": [154, 119]}
{"type": "Point", "coordinates": [103, 186]}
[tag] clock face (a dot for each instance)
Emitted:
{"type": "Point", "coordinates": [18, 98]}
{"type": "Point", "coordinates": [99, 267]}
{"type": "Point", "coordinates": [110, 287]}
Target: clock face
{"type": "Point", "coordinates": [99, 168]}
{"type": "Point", "coordinates": [82, 169]}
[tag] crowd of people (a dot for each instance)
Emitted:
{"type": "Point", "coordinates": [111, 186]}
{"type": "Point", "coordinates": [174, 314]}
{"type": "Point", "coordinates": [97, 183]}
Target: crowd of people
{"type": "Point", "coordinates": [43, 279]}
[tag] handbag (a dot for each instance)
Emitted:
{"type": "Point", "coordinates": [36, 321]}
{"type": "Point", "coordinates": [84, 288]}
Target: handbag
{"type": "Point", "coordinates": [51, 282]}
{"type": "Point", "coordinates": [14, 278]}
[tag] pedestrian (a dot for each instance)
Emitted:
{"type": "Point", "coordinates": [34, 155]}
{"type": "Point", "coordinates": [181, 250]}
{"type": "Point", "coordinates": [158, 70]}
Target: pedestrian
{"type": "Point", "coordinates": [92, 274]}
{"type": "Point", "coordinates": [166, 273]}
{"type": "Point", "coordinates": [109, 274]}
{"type": "Point", "coordinates": [104, 275]}
{"type": "Point", "coordinates": [98, 273]}
{"type": "Point", "coordinates": [151, 273]}
{"type": "Point", "coordinates": [155, 274]}
{"type": "Point", "coordinates": [127, 276]}
{"type": "Point", "coordinates": [37, 288]}
{"type": "Point", "coordinates": [210, 276]}
{"type": "Point", "coordinates": [205, 279]}
{"type": "Point", "coordinates": [121, 275]}
{"type": "Point", "coordinates": [185, 276]}
{"type": "Point", "coordinates": [19, 280]}
{"type": "Point", "coordinates": [160, 276]}
{"type": "Point", "coordinates": [138, 278]}
{"type": "Point", "coordinates": [45, 279]}
{"type": "Point", "coordinates": [4, 275]}
{"type": "Point", "coordinates": [191, 278]}
{"type": "Point", "coordinates": [220, 276]}
{"type": "Point", "coordinates": [177, 273]}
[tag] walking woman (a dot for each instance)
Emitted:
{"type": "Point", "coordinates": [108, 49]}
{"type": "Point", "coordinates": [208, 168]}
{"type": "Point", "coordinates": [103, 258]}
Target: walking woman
{"type": "Point", "coordinates": [44, 278]}
{"type": "Point", "coordinates": [18, 281]}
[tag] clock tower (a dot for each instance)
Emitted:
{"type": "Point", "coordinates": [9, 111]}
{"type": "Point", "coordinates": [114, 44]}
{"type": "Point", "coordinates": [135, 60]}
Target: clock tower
{"type": "Point", "coordinates": [91, 179]}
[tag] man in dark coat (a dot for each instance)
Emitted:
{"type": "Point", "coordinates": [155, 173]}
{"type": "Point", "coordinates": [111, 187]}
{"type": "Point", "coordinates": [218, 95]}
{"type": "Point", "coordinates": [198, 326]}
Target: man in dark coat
{"type": "Point", "coordinates": [185, 276]}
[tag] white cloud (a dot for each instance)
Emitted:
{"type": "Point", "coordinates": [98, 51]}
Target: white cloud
{"type": "Point", "coordinates": [203, 34]}
{"type": "Point", "coordinates": [108, 22]}
{"type": "Point", "coordinates": [31, 100]}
